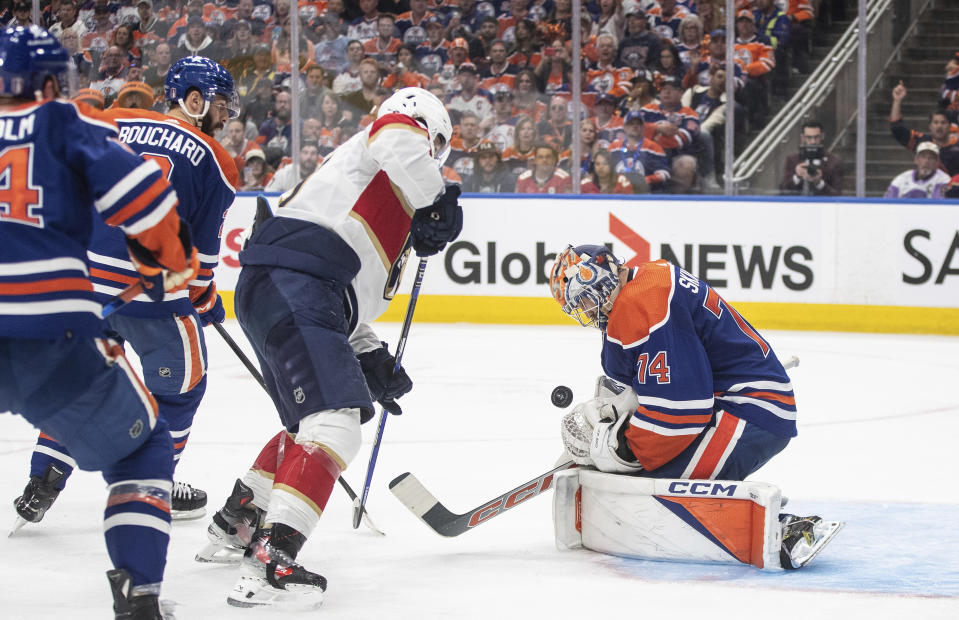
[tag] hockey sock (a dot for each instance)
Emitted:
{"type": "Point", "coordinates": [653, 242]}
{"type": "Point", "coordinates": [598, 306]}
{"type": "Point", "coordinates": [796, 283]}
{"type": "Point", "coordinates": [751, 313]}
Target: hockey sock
{"type": "Point", "coordinates": [47, 451]}
{"type": "Point", "coordinates": [302, 486]}
{"type": "Point", "coordinates": [178, 410]}
{"type": "Point", "coordinates": [136, 521]}
{"type": "Point", "coordinates": [261, 474]}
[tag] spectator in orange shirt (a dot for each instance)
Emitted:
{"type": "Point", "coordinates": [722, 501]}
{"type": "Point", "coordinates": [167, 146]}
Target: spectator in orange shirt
{"type": "Point", "coordinates": [383, 47]}
{"type": "Point", "coordinates": [545, 177]}
{"type": "Point", "coordinates": [603, 179]}
{"type": "Point", "coordinates": [405, 71]}
{"type": "Point", "coordinates": [756, 58]}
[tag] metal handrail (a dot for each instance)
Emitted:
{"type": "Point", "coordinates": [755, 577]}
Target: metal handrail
{"type": "Point", "coordinates": [816, 87]}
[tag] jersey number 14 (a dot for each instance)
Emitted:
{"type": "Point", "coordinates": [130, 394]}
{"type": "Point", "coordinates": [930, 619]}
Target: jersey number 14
{"type": "Point", "coordinates": [20, 199]}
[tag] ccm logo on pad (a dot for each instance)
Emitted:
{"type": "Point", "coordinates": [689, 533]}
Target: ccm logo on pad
{"type": "Point", "coordinates": [701, 488]}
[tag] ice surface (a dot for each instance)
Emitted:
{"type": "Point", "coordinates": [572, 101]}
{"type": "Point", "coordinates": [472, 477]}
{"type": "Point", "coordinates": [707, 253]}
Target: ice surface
{"type": "Point", "coordinates": [878, 419]}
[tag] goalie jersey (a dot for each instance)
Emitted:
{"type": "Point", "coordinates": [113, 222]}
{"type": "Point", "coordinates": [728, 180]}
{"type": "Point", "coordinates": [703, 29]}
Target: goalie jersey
{"type": "Point", "coordinates": [61, 171]}
{"type": "Point", "coordinates": [205, 178]}
{"type": "Point", "coordinates": [688, 355]}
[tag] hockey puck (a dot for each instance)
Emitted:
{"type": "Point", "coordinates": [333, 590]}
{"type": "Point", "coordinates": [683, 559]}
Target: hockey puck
{"type": "Point", "coordinates": [562, 396]}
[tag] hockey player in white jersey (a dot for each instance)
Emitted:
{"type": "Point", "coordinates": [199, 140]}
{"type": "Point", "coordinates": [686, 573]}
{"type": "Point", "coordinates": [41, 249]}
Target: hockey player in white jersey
{"type": "Point", "coordinates": [314, 277]}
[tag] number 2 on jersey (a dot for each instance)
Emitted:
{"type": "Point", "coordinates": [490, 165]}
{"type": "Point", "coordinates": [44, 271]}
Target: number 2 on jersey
{"type": "Point", "coordinates": [20, 199]}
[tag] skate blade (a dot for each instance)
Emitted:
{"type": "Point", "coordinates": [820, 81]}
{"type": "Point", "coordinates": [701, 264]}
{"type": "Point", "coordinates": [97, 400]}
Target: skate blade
{"type": "Point", "coordinates": [187, 515]}
{"type": "Point", "coordinates": [252, 592]}
{"type": "Point", "coordinates": [20, 522]}
{"type": "Point", "coordinates": [218, 554]}
{"type": "Point", "coordinates": [832, 528]}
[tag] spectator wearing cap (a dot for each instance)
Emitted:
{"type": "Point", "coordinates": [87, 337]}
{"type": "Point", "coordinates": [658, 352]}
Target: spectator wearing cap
{"type": "Point", "coordinates": [949, 91]}
{"type": "Point", "coordinates": [604, 76]}
{"type": "Point", "coordinates": [256, 172]}
{"type": "Point", "coordinates": [801, 16]}
{"type": "Point", "coordinates": [383, 46]}
{"type": "Point", "coordinates": [405, 71]}
{"type": "Point", "coordinates": [498, 126]}
{"type": "Point", "coordinates": [641, 159]}
{"type": "Point", "coordinates": [690, 44]}
{"type": "Point", "coordinates": [517, 157]}
{"type": "Point", "coordinates": [22, 14]}
{"type": "Point", "coordinates": [926, 180]}
{"type": "Point", "coordinates": [330, 49]}
{"type": "Point", "coordinates": [602, 177]}
{"type": "Point", "coordinates": [489, 176]}
{"type": "Point", "coordinates": [149, 26]}
{"type": "Point", "coordinates": [756, 58]}
{"type": "Point", "coordinates": [498, 71]}
{"type": "Point", "coordinates": [97, 39]}
{"type": "Point", "coordinates": [361, 101]}
{"type": "Point", "coordinates": [364, 27]}
{"type": "Point", "coordinates": [465, 144]}
{"type": "Point", "coordinates": [774, 26]}
{"type": "Point", "coordinates": [433, 53]}
{"type": "Point", "coordinates": [666, 18]}
{"type": "Point", "coordinates": [68, 14]}
{"type": "Point", "coordinates": [526, 49]}
{"type": "Point", "coordinates": [470, 97]}
{"type": "Point", "coordinates": [195, 41]}
{"type": "Point", "coordinates": [348, 80]}
{"type": "Point", "coordinates": [676, 128]}
{"type": "Point", "coordinates": [940, 132]}
{"type": "Point", "coordinates": [557, 129]}
{"type": "Point", "coordinates": [418, 14]}
{"type": "Point", "coordinates": [544, 177]}
{"type": "Point", "coordinates": [607, 123]}
{"type": "Point", "coordinates": [640, 45]}
{"type": "Point", "coordinates": [285, 177]}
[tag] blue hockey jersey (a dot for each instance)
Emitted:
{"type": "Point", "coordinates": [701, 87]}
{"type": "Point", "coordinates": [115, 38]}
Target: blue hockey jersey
{"type": "Point", "coordinates": [689, 355]}
{"type": "Point", "coordinates": [205, 178]}
{"type": "Point", "coordinates": [57, 160]}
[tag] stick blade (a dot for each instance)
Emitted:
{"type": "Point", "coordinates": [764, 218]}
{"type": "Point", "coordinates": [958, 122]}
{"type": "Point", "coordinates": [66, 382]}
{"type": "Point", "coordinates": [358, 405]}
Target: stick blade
{"type": "Point", "coordinates": [412, 494]}
{"type": "Point", "coordinates": [357, 512]}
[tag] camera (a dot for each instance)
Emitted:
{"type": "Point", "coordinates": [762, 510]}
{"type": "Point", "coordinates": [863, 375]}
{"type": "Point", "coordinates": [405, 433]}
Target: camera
{"type": "Point", "coordinates": [813, 155]}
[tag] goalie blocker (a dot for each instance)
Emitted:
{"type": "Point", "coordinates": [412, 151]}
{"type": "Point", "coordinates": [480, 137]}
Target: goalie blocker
{"type": "Point", "coordinates": [729, 522]}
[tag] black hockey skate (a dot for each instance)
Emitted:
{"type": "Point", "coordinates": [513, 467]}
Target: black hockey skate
{"type": "Point", "coordinates": [804, 538]}
{"type": "Point", "coordinates": [38, 496]}
{"type": "Point", "coordinates": [232, 527]}
{"type": "Point", "coordinates": [187, 502]}
{"type": "Point", "coordinates": [128, 606]}
{"type": "Point", "coordinates": [270, 576]}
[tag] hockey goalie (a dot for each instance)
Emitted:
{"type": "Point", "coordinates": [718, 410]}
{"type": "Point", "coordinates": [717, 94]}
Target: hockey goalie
{"type": "Point", "coordinates": [693, 400]}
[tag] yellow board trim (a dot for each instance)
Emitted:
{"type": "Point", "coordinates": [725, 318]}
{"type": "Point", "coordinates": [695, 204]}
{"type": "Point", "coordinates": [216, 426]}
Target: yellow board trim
{"type": "Point", "coordinates": [795, 316]}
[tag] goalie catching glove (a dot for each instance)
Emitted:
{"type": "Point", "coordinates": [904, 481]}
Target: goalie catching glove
{"type": "Point", "coordinates": [385, 386]}
{"type": "Point", "coordinates": [164, 267]}
{"type": "Point", "coordinates": [435, 226]}
{"type": "Point", "coordinates": [594, 433]}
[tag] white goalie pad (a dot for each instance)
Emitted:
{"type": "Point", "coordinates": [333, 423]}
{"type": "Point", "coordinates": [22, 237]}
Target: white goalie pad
{"type": "Point", "coordinates": [729, 522]}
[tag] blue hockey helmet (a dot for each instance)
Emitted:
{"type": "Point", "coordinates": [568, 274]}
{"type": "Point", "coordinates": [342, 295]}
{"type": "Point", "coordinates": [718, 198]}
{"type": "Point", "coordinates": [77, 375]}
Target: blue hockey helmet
{"type": "Point", "coordinates": [583, 280]}
{"type": "Point", "coordinates": [28, 56]}
{"type": "Point", "coordinates": [205, 75]}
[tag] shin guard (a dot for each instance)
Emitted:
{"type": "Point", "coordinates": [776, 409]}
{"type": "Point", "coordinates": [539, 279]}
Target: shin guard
{"type": "Point", "coordinates": [302, 486]}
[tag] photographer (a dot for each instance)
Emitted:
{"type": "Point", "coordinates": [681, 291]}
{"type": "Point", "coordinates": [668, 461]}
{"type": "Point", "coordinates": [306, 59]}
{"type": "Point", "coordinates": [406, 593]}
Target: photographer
{"type": "Point", "coordinates": [812, 171]}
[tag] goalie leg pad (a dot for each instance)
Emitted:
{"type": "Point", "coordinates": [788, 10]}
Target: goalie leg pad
{"type": "Point", "coordinates": [669, 519]}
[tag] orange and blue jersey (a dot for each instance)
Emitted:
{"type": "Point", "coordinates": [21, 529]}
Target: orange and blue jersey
{"type": "Point", "coordinates": [63, 172]}
{"type": "Point", "coordinates": [205, 177]}
{"type": "Point", "coordinates": [685, 119]}
{"type": "Point", "coordinates": [689, 356]}
{"type": "Point", "coordinates": [647, 159]}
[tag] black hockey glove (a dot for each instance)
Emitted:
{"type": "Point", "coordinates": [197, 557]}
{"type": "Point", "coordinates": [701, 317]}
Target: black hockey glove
{"type": "Point", "coordinates": [385, 387]}
{"type": "Point", "coordinates": [435, 226]}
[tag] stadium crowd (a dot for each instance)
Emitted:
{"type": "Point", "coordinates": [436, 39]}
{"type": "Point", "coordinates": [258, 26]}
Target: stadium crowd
{"type": "Point", "coordinates": [653, 78]}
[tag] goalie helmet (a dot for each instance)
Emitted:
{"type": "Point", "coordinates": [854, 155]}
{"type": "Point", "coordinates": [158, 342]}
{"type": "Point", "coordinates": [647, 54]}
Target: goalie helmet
{"type": "Point", "coordinates": [422, 105]}
{"type": "Point", "coordinates": [583, 280]}
{"type": "Point", "coordinates": [205, 75]}
{"type": "Point", "coordinates": [28, 56]}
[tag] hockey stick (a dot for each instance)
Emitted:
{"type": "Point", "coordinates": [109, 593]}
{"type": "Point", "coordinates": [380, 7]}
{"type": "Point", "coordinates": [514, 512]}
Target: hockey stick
{"type": "Point", "coordinates": [122, 299]}
{"type": "Point", "coordinates": [259, 379]}
{"type": "Point", "coordinates": [410, 491]}
{"type": "Point", "coordinates": [360, 503]}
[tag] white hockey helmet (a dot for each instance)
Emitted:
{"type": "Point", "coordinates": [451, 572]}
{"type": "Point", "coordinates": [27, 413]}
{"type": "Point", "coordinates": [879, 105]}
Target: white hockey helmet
{"type": "Point", "coordinates": [425, 107]}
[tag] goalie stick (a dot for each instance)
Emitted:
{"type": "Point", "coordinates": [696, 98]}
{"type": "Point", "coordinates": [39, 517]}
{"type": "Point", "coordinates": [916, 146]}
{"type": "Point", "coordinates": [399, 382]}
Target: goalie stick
{"type": "Point", "coordinates": [410, 491]}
